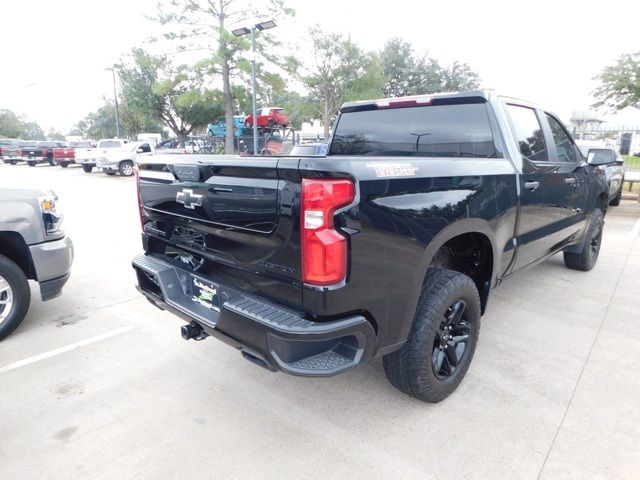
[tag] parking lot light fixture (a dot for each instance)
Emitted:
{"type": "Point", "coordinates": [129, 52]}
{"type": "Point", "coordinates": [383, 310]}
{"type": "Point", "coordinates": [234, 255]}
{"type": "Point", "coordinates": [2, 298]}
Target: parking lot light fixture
{"type": "Point", "coordinates": [239, 32]}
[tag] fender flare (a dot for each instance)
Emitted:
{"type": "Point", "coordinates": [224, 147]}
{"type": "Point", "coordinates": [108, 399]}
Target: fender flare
{"type": "Point", "coordinates": [460, 227]}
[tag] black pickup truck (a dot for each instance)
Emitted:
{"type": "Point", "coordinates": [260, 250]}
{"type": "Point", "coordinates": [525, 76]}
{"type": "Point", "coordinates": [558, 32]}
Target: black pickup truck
{"type": "Point", "coordinates": [39, 152]}
{"type": "Point", "coordinates": [387, 247]}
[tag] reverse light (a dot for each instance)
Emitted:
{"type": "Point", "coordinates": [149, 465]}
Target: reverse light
{"type": "Point", "coordinates": [324, 249]}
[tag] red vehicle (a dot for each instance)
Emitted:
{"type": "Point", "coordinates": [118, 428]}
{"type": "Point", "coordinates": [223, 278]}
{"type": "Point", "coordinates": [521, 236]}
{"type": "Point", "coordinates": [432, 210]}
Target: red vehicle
{"type": "Point", "coordinates": [65, 155]}
{"type": "Point", "coordinates": [268, 117]}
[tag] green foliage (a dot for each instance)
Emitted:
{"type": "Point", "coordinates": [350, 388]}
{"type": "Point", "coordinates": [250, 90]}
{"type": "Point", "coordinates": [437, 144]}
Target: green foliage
{"type": "Point", "coordinates": [408, 74]}
{"type": "Point", "coordinates": [619, 84]}
{"type": "Point", "coordinates": [53, 134]}
{"type": "Point", "coordinates": [81, 128]}
{"type": "Point", "coordinates": [631, 162]}
{"type": "Point", "coordinates": [102, 122]}
{"type": "Point", "coordinates": [204, 24]}
{"type": "Point", "coordinates": [33, 131]}
{"type": "Point", "coordinates": [340, 71]}
{"type": "Point", "coordinates": [11, 125]}
{"type": "Point", "coordinates": [153, 89]}
{"type": "Point", "coordinates": [15, 126]}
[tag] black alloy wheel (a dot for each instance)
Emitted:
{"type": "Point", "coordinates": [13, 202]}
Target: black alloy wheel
{"type": "Point", "coordinates": [450, 344]}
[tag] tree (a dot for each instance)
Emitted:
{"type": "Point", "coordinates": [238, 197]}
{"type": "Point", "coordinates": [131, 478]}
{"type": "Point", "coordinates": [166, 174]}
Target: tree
{"type": "Point", "coordinates": [619, 84]}
{"type": "Point", "coordinates": [152, 87]}
{"type": "Point", "coordinates": [11, 125]}
{"type": "Point", "coordinates": [204, 23]}
{"type": "Point", "coordinates": [340, 71]}
{"type": "Point", "coordinates": [80, 129]}
{"type": "Point", "coordinates": [458, 77]}
{"type": "Point", "coordinates": [53, 134]}
{"type": "Point", "coordinates": [102, 122]}
{"type": "Point", "coordinates": [408, 74]}
{"type": "Point", "coordinates": [33, 131]}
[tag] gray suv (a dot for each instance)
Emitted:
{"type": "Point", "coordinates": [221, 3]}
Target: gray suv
{"type": "Point", "coordinates": [32, 247]}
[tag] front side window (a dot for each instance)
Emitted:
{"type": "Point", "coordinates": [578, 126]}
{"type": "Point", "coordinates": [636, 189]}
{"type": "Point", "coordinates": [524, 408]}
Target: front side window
{"type": "Point", "coordinates": [564, 146]}
{"type": "Point", "coordinates": [528, 133]}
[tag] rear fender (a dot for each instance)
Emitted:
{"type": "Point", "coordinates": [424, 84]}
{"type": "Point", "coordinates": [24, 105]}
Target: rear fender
{"type": "Point", "coordinates": [468, 225]}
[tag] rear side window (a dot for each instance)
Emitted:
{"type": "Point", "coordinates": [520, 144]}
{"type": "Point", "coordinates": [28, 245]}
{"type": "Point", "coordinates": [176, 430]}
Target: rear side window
{"type": "Point", "coordinates": [528, 133]}
{"type": "Point", "coordinates": [565, 148]}
{"type": "Point", "coordinates": [454, 130]}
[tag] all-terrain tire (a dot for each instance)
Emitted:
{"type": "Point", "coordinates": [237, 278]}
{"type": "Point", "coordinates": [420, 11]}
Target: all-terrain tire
{"type": "Point", "coordinates": [87, 168]}
{"type": "Point", "coordinates": [15, 296]}
{"type": "Point", "coordinates": [586, 259]}
{"type": "Point", "coordinates": [412, 369]}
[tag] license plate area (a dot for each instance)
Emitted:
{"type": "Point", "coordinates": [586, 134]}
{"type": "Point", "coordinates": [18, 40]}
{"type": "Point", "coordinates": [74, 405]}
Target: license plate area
{"type": "Point", "coordinates": [205, 293]}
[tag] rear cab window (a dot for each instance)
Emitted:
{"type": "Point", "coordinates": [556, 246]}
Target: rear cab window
{"type": "Point", "coordinates": [110, 144]}
{"type": "Point", "coordinates": [446, 127]}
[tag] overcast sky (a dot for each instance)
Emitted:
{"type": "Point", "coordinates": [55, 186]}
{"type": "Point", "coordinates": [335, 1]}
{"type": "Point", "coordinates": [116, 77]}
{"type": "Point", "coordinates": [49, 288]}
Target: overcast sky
{"type": "Point", "coordinates": [54, 52]}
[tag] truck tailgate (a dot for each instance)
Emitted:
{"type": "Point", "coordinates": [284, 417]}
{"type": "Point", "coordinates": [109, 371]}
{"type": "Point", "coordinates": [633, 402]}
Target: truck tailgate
{"type": "Point", "coordinates": [228, 218]}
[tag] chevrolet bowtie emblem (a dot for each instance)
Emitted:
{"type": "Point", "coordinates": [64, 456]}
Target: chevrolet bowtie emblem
{"type": "Point", "coordinates": [189, 199]}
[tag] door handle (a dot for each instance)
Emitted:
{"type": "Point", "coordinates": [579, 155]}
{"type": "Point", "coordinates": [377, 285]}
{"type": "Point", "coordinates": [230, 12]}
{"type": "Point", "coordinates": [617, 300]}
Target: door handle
{"type": "Point", "coordinates": [531, 185]}
{"type": "Point", "coordinates": [570, 181]}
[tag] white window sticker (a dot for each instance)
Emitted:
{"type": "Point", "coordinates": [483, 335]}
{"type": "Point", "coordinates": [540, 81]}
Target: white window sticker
{"type": "Point", "coordinates": [384, 170]}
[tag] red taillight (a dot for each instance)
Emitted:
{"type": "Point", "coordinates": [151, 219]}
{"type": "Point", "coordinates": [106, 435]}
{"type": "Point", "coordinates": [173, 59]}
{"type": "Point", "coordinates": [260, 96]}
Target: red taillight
{"type": "Point", "coordinates": [136, 172]}
{"type": "Point", "coordinates": [324, 250]}
{"type": "Point", "coordinates": [44, 152]}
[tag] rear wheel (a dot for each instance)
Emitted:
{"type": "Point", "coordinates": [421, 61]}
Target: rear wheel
{"type": "Point", "coordinates": [586, 259]}
{"type": "Point", "coordinates": [31, 164]}
{"type": "Point", "coordinates": [14, 296]}
{"type": "Point", "coordinates": [443, 338]}
{"type": "Point", "coordinates": [126, 168]}
{"type": "Point", "coordinates": [64, 164]}
{"type": "Point", "coordinates": [109, 173]}
{"type": "Point", "coordinates": [87, 168]}
{"type": "Point", "coordinates": [13, 162]}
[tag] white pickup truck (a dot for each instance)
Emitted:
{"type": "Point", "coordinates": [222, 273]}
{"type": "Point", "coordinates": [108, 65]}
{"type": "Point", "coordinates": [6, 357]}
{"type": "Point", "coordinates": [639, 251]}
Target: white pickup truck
{"type": "Point", "coordinates": [87, 157]}
{"type": "Point", "coordinates": [122, 160]}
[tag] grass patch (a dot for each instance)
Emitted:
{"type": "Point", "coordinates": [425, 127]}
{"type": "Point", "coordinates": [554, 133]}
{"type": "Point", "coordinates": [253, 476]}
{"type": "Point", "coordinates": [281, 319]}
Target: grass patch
{"type": "Point", "coordinates": [631, 162]}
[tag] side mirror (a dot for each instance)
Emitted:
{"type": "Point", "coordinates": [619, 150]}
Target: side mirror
{"type": "Point", "coordinates": [140, 150]}
{"type": "Point", "coordinates": [601, 156]}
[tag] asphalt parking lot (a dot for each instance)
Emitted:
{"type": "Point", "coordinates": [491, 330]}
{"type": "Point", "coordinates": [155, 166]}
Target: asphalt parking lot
{"type": "Point", "coordinates": [99, 384]}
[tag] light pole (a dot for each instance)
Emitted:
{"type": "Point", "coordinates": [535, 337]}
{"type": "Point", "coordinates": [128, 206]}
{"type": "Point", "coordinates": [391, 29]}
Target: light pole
{"type": "Point", "coordinates": [239, 32]}
{"type": "Point", "coordinates": [115, 98]}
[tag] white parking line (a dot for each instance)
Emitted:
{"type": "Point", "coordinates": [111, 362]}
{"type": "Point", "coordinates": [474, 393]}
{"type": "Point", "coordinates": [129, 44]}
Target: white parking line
{"type": "Point", "coordinates": [635, 230]}
{"type": "Point", "coordinates": [67, 348]}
